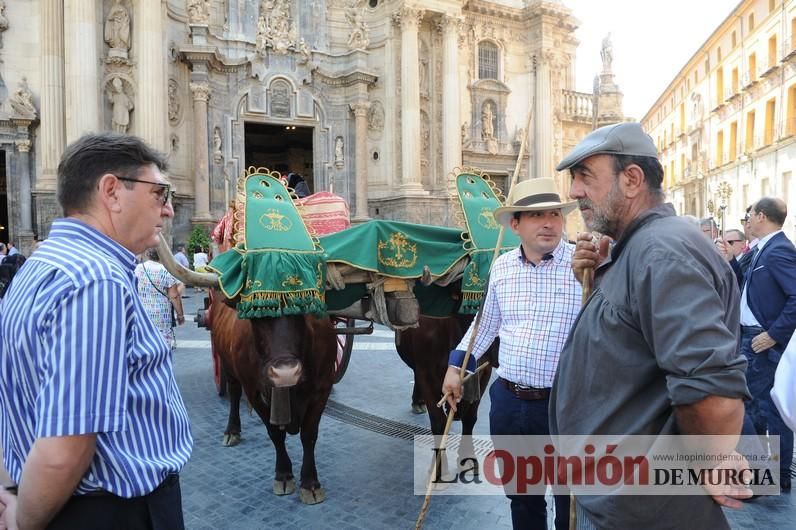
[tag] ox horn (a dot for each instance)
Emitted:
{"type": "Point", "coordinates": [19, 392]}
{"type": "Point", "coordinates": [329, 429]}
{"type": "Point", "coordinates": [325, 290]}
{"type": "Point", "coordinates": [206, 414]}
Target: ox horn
{"type": "Point", "coordinates": [187, 276]}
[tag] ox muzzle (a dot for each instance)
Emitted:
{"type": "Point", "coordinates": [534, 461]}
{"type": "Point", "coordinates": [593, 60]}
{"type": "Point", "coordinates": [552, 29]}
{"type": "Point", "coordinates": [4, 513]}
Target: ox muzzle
{"type": "Point", "coordinates": [283, 373]}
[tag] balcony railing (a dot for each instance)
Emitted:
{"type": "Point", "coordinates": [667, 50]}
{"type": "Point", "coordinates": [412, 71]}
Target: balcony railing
{"type": "Point", "coordinates": [578, 104]}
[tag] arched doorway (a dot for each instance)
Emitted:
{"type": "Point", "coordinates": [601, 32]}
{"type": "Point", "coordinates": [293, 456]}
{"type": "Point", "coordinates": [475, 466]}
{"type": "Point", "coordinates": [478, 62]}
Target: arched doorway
{"type": "Point", "coordinates": [283, 148]}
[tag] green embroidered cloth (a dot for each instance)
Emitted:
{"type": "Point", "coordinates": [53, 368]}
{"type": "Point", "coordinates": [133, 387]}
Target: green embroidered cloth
{"type": "Point", "coordinates": [279, 269]}
{"type": "Point", "coordinates": [395, 248]}
{"type": "Point", "coordinates": [478, 200]}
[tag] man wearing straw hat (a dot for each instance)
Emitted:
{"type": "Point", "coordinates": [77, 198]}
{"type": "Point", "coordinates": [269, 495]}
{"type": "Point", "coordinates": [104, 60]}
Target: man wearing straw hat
{"type": "Point", "coordinates": [531, 302]}
{"type": "Point", "coordinates": [654, 349]}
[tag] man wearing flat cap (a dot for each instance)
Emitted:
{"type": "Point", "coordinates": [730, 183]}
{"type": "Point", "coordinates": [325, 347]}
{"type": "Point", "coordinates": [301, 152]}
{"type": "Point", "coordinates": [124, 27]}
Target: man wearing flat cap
{"type": "Point", "coordinates": [654, 349]}
{"type": "Point", "coordinates": [531, 302]}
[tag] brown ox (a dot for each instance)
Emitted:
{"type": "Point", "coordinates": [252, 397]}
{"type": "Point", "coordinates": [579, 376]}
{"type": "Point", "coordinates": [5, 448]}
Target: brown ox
{"type": "Point", "coordinates": [295, 354]}
{"type": "Point", "coordinates": [425, 350]}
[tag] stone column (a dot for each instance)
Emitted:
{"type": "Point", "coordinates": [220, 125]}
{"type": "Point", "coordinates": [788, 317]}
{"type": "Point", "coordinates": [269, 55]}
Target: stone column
{"type": "Point", "coordinates": [52, 114]}
{"type": "Point", "coordinates": [201, 94]}
{"type": "Point", "coordinates": [360, 110]}
{"type": "Point", "coordinates": [409, 19]}
{"type": "Point", "coordinates": [24, 233]}
{"type": "Point", "coordinates": [451, 132]}
{"type": "Point", "coordinates": [543, 119]}
{"type": "Point", "coordinates": [82, 67]}
{"type": "Point", "coordinates": [150, 106]}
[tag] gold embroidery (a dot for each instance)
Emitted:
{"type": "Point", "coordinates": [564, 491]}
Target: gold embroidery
{"type": "Point", "coordinates": [397, 252]}
{"type": "Point", "coordinates": [487, 220]}
{"type": "Point", "coordinates": [292, 281]}
{"type": "Point", "coordinates": [273, 220]}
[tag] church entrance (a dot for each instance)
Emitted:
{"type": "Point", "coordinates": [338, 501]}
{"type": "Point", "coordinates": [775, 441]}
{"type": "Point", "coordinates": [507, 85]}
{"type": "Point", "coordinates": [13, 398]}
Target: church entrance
{"type": "Point", "coordinates": [3, 199]}
{"type": "Point", "coordinates": [282, 148]}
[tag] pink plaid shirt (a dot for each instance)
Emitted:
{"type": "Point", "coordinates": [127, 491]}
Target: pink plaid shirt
{"type": "Point", "coordinates": [531, 308]}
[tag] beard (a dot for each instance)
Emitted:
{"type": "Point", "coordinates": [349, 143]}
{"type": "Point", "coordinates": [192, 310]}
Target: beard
{"type": "Point", "coordinates": [605, 216]}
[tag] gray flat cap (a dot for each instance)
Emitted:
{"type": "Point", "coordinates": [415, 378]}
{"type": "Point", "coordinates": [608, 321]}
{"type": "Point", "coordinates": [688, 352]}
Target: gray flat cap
{"type": "Point", "coordinates": [619, 139]}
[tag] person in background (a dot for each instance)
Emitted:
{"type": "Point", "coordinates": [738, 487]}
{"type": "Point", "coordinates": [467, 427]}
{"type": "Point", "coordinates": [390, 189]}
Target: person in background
{"type": "Point", "coordinates": [299, 185]}
{"type": "Point", "coordinates": [160, 294]}
{"type": "Point", "coordinates": [92, 424]}
{"type": "Point", "coordinates": [709, 228]}
{"type": "Point", "coordinates": [181, 258]}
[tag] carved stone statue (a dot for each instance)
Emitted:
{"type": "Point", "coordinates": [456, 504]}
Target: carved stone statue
{"type": "Point", "coordinates": [338, 152]}
{"type": "Point", "coordinates": [198, 12]}
{"type": "Point", "coordinates": [117, 30]}
{"type": "Point", "coordinates": [274, 28]}
{"type": "Point", "coordinates": [465, 134]}
{"type": "Point", "coordinates": [22, 101]}
{"type": "Point", "coordinates": [487, 122]}
{"type": "Point", "coordinates": [607, 53]}
{"type": "Point", "coordinates": [3, 21]}
{"type": "Point", "coordinates": [217, 156]}
{"type": "Point", "coordinates": [122, 105]}
{"type": "Point", "coordinates": [359, 37]}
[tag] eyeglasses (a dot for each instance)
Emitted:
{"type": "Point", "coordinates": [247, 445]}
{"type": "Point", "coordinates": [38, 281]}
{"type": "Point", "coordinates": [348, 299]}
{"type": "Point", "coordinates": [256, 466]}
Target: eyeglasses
{"type": "Point", "coordinates": [165, 192]}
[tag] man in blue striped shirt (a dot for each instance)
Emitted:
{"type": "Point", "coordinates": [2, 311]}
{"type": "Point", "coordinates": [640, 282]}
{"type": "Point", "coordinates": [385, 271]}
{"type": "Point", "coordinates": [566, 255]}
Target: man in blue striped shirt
{"type": "Point", "coordinates": [92, 425]}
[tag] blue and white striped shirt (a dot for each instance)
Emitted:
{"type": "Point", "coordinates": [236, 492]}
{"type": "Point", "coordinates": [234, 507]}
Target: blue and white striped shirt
{"type": "Point", "coordinates": [79, 355]}
{"type": "Point", "coordinates": [531, 308]}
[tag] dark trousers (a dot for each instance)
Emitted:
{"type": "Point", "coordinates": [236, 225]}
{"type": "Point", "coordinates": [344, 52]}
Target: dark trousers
{"type": "Point", "coordinates": [160, 510]}
{"type": "Point", "coordinates": [511, 415]}
{"type": "Point", "coordinates": [761, 410]}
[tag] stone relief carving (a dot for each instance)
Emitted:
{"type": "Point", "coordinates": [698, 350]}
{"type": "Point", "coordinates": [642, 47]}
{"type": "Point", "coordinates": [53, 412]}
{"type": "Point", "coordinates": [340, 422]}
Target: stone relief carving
{"type": "Point", "coordinates": [175, 109]}
{"type": "Point", "coordinates": [280, 99]}
{"type": "Point", "coordinates": [274, 27]}
{"type": "Point", "coordinates": [376, 119]}
{"type": "Point", "coordinates": [607, 53]}
{"type": "Point", "coordinates": [22, 101]}
{"type": "Point", "coordinates": [465, 135]}
{"type": "Point", "coordinates": [122, 106]}
{"type": "Point", "coordinates": [3, 21]}
{"type": "Point", "coordinates": [423, 67]}
{"type": "Point", "coordinates": [198, 12]}
{"type": "Point", "coordinates": [338, 152]}
{"type": "Point", "coordinates": [425, 139]}
{"type": "Point", "coordinates": [359, 38]}
{"type": "Point", "coordinates": [217, 145]}
{"type": "Point", "coordinates": [117, 30]}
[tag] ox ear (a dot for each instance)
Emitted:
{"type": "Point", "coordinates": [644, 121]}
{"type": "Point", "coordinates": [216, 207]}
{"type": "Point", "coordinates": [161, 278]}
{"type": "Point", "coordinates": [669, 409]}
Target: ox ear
{"type": "Point", "coordinates": [187, 276]}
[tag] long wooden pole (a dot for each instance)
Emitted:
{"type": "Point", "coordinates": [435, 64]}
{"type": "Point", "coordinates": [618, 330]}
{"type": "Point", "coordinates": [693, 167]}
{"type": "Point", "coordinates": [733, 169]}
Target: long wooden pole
{"type": "Point", "coordinates": [477, 323]}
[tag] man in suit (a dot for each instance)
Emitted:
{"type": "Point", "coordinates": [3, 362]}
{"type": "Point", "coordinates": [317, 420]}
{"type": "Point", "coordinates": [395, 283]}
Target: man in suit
{"type": "Point", "coordinates": [768, 319]}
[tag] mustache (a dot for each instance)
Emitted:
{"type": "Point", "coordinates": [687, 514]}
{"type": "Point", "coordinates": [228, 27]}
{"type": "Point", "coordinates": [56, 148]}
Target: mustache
{"type": "Point", "coordinates": [585, 204]}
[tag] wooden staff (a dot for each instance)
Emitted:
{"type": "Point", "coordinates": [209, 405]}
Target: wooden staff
{"type": "Point", "coordinates": [477, 323]}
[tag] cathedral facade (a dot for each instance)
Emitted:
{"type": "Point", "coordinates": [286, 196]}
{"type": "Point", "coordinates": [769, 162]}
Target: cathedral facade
{"type": "Point", "coordinates": [375, 100]}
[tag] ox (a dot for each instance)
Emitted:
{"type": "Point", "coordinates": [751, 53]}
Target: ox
{"type": "Point", "coordinates": [269, 359]}
{"type": "Point", "coordinates": [425, 350]}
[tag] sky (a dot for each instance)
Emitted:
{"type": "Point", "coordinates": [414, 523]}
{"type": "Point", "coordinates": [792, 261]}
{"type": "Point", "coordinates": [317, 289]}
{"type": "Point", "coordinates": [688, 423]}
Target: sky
{"type": "Point", "coordinates": [652, 40]}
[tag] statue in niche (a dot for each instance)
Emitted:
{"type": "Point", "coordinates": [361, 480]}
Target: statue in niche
{"type": "Point", "coordinates": [465, 135]}
{"type": "Point", "coordinates": [174, 102]}
{"type": "Point", "coordinates": [359, 38]}
{"type": "Point", "coordinates": [487, 122]}
{"type": "Point", "coordinates": [122, 105]}
{"type": "Point", "coordinates": [22, 100]}
{"type": "Point", "coordinates": [117, 30]}
{"type": "Point", "coordinates": [217, 144]}
{"type": "Point", "coordinates": [607, 53]}
{"type": "Point", "coordinates": [198, 12]}
{"type": "Point", "coordinates": [3, 21]}
{"type": "Point", "coordinates": [338, 152]}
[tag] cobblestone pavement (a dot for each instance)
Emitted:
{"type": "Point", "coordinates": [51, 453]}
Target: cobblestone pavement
{"type": "Point", "coordinates": [367, 475]}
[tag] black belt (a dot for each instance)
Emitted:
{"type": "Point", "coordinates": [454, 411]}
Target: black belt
{"type": "Point", "coordinates": [526, 393]}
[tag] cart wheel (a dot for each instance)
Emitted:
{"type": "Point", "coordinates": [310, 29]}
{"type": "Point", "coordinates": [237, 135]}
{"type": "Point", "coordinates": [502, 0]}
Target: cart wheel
{"type": "Point", "coordinates": [345, 343]}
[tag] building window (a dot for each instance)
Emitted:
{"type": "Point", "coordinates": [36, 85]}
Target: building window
{"type": "Point", "coordinates": [734, 39]}
{"type": "Point", "coordinates": [769, 133]}
{"type": "Point", "coordinates": [751, 22]}
{"type": "Point", "coordinates": [793, 34]}
{"type": "Point", "coordinates": [764, 186]}
{"type": "Point", "coordinates": [750, 132]}
{"type": "Point", "coordinates": [720, 85]}
{"type": "Point", "coordinates": [735, 80]}
{"type": "Point", "coordinates": [707, 67]}
{"type": "Point", "coordinates": [487, 60]}
{"type": "Point", "coordinates": [373, 3]}
{"type": "Point", "coordinates": [772, 5]}
{"type": "Point", "coordinates": [772, 51]}
{"type": "Point", "coordinates": [752, 67]}
{"type": "Point", "coordinates": [720, 148]}
{"type": "Point", "coordinates": [790, 125]}
{"type": "Point", "coordinates": [784, 190]}
{"type": "Point", "coordinates": [718, 55]}
{"type": "Point", "coordinates": [733, 150]}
